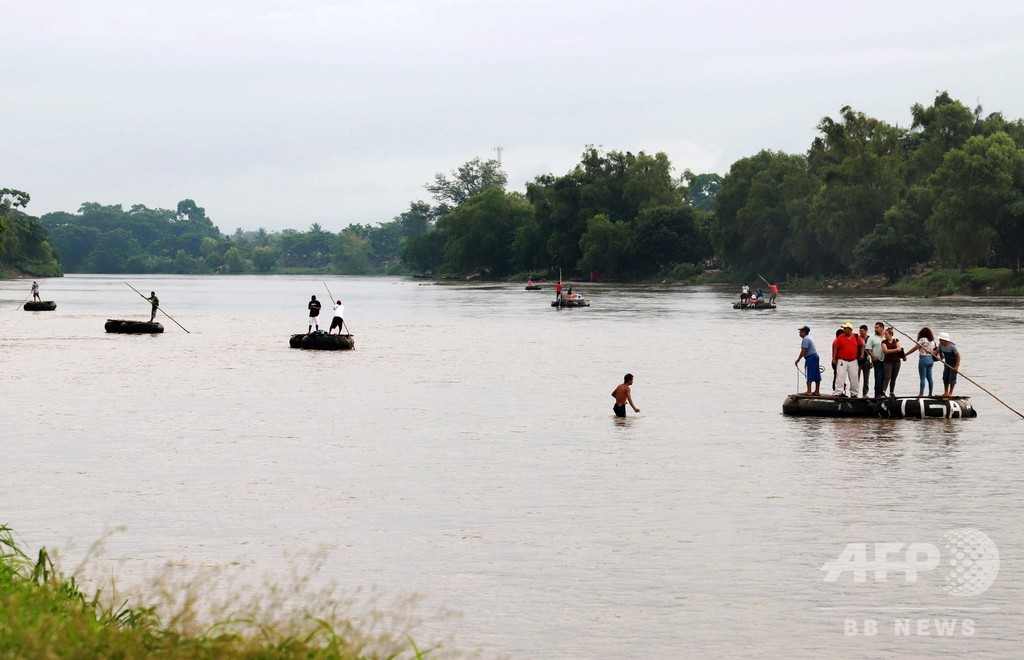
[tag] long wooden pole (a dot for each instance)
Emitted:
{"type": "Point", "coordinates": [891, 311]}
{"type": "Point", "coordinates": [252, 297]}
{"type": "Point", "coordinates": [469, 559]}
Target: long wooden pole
{"type": "Point", "coordinates": [22, 303]}
{"type": "Point", "coordinates": [764, 280]}
{"type": "Point", "coordinates": [159, 308]}
{"type": "Point", "coordinates": [969, 379]}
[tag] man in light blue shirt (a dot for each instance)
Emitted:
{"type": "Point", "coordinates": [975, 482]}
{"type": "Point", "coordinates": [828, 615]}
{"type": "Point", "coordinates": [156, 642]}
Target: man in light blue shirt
{"type": "Point", "coordinates": [811, 361]}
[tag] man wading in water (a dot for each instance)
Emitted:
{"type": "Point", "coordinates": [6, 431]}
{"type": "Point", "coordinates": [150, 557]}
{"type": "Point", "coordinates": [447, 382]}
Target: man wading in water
{"type": "Point", "coordinates": [622, 396]}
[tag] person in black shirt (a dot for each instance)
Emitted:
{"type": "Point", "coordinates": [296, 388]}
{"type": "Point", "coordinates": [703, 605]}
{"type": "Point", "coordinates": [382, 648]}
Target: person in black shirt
{"type": "Point", "coordinates": [314, 313]}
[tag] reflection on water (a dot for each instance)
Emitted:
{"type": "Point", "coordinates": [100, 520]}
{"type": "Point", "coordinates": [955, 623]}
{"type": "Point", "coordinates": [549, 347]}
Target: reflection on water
{"type": "Point", "coordinates": [467, 451]}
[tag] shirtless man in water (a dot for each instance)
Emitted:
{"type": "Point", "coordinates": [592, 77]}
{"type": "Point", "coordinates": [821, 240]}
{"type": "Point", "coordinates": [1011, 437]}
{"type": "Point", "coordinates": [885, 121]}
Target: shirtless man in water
{"type": "Point", "coordinates": [622, 396]}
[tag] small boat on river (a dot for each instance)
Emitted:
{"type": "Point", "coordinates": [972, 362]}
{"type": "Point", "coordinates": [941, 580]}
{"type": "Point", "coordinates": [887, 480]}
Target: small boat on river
{"type": "Point", "coordinates": [41, 306]}
{"type": "Point", "coordinates": [577, 300]}
{"type": "Point", "coordinates": [133, 327]}
{"type": "Point", "coordinates": [760, 304]}
{"type": "Point", "coordinates": [321, 341]}
{"type": "Point", "coordinates": [904, 407]}
{"type": "Point", "coordinates": [533, 287]}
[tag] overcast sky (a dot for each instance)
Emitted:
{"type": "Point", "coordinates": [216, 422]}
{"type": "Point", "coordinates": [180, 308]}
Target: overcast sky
{"type": "Point", "coordinates": [279, 114]}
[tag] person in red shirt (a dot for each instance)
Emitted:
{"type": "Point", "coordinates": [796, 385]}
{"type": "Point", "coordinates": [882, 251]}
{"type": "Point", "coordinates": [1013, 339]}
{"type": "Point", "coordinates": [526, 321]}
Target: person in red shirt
{"type": "Point", "coordinates": [775, 292]}
{"type": "Point", "coordinates": [847, 349]}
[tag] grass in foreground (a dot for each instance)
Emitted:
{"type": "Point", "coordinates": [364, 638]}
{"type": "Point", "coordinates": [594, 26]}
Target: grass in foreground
{"type": "Point", "coordinates": [44, 614]}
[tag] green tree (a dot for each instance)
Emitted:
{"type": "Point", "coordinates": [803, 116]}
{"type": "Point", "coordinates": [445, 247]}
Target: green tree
{"type": "Point", "coordinates": [606, 246]}
{"type": "Point", "coordinates": [113, 251]}
{"type": "Point", "coordinates": [480, 232]}
{"type": "Point", "coordinates": [618, 185]}
{"type": "Point", "coordinates": [859, 160]}
{"type": "Point", "coordinates": [352, 252]}
{"type": "Point", "coordinates": [760, 202]}
{"type": "Point", "coordinates": [263, 259]}
{"type": "Point", "coordinates": [424, 253]}
{"type": "Point", "coordinates": [664, 236]}
{"type": "Point", "coordinates": [979, 196]}
{"type": "Point", "coordinates": [74, 243]}
{"type": "Point", "coordinates": [233, 260]}
{"type": "Point", "coordinates": [700, 190]}
{"type": "Point", "coordinates": [472, 178]}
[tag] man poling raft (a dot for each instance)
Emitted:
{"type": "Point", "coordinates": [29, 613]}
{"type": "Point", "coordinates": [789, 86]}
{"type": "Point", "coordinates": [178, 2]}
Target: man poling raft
{"type": "Point", "coordinates": [123, 326]}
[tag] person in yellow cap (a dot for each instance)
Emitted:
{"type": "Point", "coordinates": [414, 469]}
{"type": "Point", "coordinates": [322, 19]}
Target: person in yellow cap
{"type": "Point", "coordinates": [847, 349]}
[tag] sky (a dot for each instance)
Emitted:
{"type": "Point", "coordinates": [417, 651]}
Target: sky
{"type": "Point", "coordinates": [282, 113]}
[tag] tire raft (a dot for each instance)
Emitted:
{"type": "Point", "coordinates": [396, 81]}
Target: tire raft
{"type": "Point", "coordinates": [892, 408]}
{"type": "Point", "coordinates": [321, 341]}
{"type": "Point", "coordinates": [122, 326]}
{"type": "Point", "coordinates": [44, 306]}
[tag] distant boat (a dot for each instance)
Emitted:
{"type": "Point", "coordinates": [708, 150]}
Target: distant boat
{"type": "Point", "coordinates": [760, 304]}
{"type": "Point", "coordinates": [321, 341]}
{"type": "Point", "coordinates": [122, 326]}
{"type": "Point", "coordinates": [576, 301]}
{"type": "Point", "coordinates": [904, 407]}
{"type": "Point", "coordinates": [533, 287]}
{"type": "Point", "coordinates": [44, 306]}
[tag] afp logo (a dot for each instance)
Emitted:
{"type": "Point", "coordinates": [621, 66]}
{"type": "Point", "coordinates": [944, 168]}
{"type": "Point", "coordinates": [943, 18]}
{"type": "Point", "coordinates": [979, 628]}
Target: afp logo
{"type": "Point", "coordinates": [969, 557]}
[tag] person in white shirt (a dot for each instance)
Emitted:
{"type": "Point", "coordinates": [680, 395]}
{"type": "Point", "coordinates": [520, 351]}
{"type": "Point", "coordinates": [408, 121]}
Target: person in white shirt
{"type": "Point", "coordinates": [338, 320]}
{"type": "Point", "coordinates": [926, 348]}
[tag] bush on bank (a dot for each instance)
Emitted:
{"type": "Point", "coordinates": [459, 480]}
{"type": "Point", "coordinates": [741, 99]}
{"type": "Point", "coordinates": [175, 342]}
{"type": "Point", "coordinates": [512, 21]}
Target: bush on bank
{"type": "Point", "coordinates": [44, 614]}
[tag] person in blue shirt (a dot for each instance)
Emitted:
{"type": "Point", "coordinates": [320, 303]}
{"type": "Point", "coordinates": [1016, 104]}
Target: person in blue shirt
{"type": "Point", "coordinates": [811, 361]}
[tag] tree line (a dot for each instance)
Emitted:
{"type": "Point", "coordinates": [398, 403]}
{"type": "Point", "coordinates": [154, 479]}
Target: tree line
{"type": "Point", "coordinates": [870, 197]}
{"type": "Point", "coordinates": [867, 197]}
{"type": "Point", "coordinates": [109, 239]}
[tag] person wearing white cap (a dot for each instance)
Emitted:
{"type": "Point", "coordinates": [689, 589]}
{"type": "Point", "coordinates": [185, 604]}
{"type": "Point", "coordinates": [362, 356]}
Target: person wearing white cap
{"type": "Point", "coordinates": [847, 349]}
{"type": "Point", "coordinates": [951, 363]}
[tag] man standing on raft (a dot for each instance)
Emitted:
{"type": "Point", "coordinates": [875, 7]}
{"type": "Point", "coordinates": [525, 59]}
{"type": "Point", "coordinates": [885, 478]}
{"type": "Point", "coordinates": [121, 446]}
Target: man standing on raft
{"type": "Point", "coordinates": [811, 361]}
{"type": "Point", "coordinates": [623, 396]}
{"type": "Point", "coordinates": [951, 364]}
{"type": "Point", "coordinates": [314, 314]}
{"type": "Point", "coordinates": [846, 350]}
{"type": "Point", "coordinates": [155, 302]}
{"type": "Point", "coordinates": [338, 320]}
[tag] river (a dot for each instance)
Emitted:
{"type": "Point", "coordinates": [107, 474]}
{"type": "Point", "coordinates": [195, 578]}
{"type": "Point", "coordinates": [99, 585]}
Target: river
{"type": "Point", "coordinates": [466, 452]}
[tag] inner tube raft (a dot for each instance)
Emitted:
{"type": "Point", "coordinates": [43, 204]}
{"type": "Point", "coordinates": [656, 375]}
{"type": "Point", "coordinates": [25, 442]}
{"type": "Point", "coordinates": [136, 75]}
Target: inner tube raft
{"type": "Point", "coordinates": [533, 287]}
{"type": "Point", "coordinates": [892, 408]}
{"type": "Point", "coordinates": [321, 341]}
{"type": "Point", "coordinates": [562, 302]}
{"type": "Point", "coordinates": [133, 327]}
{"type": "Point", "coordinates": [760, 305]}
{"type": "Point", "coordinates": [44, 306]}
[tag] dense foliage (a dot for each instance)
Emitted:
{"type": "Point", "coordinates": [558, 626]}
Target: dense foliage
{"type": "Point", "coordinates": [23, 244]}
{"type": "Point", "coordinates": [109, 239]}
{"type": "Point", "coordinates": [867, 197]}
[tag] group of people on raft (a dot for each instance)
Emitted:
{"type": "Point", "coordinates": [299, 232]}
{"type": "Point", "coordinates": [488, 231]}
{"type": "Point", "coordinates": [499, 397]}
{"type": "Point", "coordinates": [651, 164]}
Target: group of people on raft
{"type": "Point", "coordinates": [569, 295]}
{"type": "Point", "coordinates": [859, 357]}
{"type": "Point", "coordinates": [753, 298]}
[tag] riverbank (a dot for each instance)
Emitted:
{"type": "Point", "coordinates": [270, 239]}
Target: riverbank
{"type": "Point", "coordinates": [925, 282]}
{"type": "Point", "coordinates": [45, 614]}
